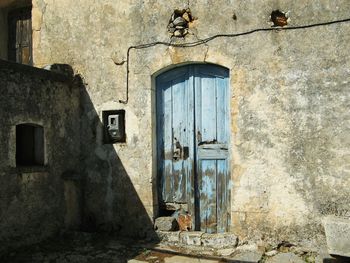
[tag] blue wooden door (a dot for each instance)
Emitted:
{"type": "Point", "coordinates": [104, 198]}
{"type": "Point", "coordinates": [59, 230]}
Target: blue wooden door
{"type": "Point", "coordinates": [193, 138]}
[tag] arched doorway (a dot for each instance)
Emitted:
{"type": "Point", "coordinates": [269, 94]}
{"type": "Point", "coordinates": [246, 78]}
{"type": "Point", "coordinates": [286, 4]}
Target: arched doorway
{"type": "Point", "coordinates": [193, 144]}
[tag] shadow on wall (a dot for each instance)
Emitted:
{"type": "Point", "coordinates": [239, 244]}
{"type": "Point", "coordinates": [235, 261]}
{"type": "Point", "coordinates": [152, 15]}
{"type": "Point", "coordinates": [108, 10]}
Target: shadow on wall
{"type": "Point", "coordinates": [84, 186]}
{"type": "Point", "coordinates": [110, 201]}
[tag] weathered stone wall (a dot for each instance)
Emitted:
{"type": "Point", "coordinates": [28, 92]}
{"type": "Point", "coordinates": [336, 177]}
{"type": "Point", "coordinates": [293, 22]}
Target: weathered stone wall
{"type": "Point", "coordinates": [289, 105]}
{"type": "Point", "coordinates": [33, 202]}
{"type": "Point", "coordinates": [3, 34]}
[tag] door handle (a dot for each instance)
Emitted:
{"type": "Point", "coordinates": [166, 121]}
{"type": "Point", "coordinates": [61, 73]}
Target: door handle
{"type": "Point", "coordinates": [176, 154]}
{"type": "Point", "coordinates": [181, 152]}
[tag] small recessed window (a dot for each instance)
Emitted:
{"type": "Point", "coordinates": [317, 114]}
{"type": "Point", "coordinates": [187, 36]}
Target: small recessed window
{"type": "Point", "coordinates": [29, 145]}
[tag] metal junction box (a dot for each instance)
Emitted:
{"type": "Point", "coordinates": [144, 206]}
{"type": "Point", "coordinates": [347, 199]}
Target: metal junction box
{"type": "Point", "coordinates": [114, 126]}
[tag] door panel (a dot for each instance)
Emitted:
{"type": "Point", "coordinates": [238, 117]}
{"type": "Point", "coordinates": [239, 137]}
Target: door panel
{"type": "Point", "coordinates": [223, 202]}
{"type": "Point", "coordinates": [180, 139]}
{"type": "Point", "coordinates": [167, 144]}
{"type": "Point", "coordinates": [175, 143]}
{"type": "Point", "coordinates": [193, 136]}
{"type": "Point", "coordinates": [206, 108]}
{"type": "Point", "coordinates": [211, 122]}
{"type": "Point", "coordinates": [207, 193]}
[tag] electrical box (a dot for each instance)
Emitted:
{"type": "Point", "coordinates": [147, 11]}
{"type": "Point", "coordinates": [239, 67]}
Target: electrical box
{"type": "Point", "coordinates": [114, 126]}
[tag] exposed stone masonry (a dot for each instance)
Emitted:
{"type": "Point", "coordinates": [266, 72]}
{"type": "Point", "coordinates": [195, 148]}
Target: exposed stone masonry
{"type": "Point", "coordinates": [179, 22]}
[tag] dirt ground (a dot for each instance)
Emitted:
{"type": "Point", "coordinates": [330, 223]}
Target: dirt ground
{"type": "Point", "coordinates": [80, 247]}
{"type": "Point", "coordinates": [96, 248]}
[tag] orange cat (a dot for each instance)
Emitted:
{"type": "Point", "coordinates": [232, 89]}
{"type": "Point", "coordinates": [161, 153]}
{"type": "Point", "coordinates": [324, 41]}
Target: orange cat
{"type": "Point", "coordinates": [185, 222]}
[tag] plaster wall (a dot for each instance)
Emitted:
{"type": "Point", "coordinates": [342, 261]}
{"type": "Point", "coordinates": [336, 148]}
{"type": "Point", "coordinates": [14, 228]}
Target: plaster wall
{"type": "Point", "coordinates": [289, 104]}
{"type": "Point", "coordinates": [36, 201]}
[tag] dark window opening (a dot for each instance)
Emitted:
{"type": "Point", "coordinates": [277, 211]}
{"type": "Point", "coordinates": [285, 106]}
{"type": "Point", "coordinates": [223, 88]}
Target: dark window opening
{"type": "Point", "coordinates": [20, 36]}
{"type": "Point", "coordinates": [29, 145]}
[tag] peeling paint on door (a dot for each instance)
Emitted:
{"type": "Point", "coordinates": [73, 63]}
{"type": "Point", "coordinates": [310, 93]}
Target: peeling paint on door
{"type": "Point", "coordinates": [193, 136]}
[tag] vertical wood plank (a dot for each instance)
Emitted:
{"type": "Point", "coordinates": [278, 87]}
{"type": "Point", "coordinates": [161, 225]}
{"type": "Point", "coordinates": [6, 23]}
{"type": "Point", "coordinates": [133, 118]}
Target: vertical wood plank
{"type": "Point", "coordinates": [179, 128]}
{"type": "Point", "coordinates": [167, 179]}
{"type": "Point", "coordinates": [208, 108]}
{"type": "Point", "coordinates": [190, 171]}
{"type": "Point", "coordinates": [18, 40]}
{"type": "Point", "coordinates": [222, 110]}
{"type": "Point", "coordinates": [222, 200]}
{"type": "Point", "coordinates": [208, 194]}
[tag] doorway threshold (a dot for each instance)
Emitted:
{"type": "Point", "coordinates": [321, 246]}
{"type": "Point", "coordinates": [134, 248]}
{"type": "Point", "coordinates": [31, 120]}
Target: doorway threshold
{"type": "Point", "coordinates": [198, 238]}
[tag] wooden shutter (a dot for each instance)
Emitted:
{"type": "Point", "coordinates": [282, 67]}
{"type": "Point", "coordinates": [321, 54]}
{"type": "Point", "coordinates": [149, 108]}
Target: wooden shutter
{"type": "Point", "coordinates": [20, 35]}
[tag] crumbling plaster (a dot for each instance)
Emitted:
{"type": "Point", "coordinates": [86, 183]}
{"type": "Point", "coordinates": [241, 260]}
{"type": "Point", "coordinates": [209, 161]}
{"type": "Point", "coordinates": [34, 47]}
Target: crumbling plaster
{"type": "Point", "coordinates": [289, 120]}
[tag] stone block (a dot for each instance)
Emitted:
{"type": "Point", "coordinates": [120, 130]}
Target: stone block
{"type": "Point", "coordinates": [182, 259]}
{"type": "Point", "coordinates": [191, 238]}
{"type": "Point", "coordinates": [225, 252]}
{"type": "Point", "coordinates": [169, 236]}
{"type": "Point", "coordinates": [247, 256]}
{"type": "Point", "coordinates": [220, 240]}
{"type": "Point", "coordinates": [285, 258]}
{"type": "Point", "coordinates": [248, 253]}
{"type": "Point", "coordinates": [166, 223]}
{"type": "Point", "coordinates": [337, 231]}
{"type": "Point", "coordinates": [271, 253]}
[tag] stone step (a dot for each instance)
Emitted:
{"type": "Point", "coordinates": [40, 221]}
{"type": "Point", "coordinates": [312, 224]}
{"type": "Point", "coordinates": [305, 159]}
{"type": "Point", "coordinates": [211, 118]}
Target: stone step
{"type": "Point", "coordinates": [198, 238]}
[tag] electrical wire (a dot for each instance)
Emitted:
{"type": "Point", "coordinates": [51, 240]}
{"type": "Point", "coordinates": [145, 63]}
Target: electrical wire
{"type": "Point", "coordinates": [206, 40]}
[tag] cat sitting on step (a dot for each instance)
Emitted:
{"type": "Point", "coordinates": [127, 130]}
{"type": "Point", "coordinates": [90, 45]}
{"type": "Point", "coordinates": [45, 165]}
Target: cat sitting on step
{"type": "Point", "coordinates": [184, 219]}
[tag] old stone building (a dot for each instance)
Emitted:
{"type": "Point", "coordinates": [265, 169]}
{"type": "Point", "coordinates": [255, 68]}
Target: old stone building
{"type": "Point", "coordinates": [240, 120]}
